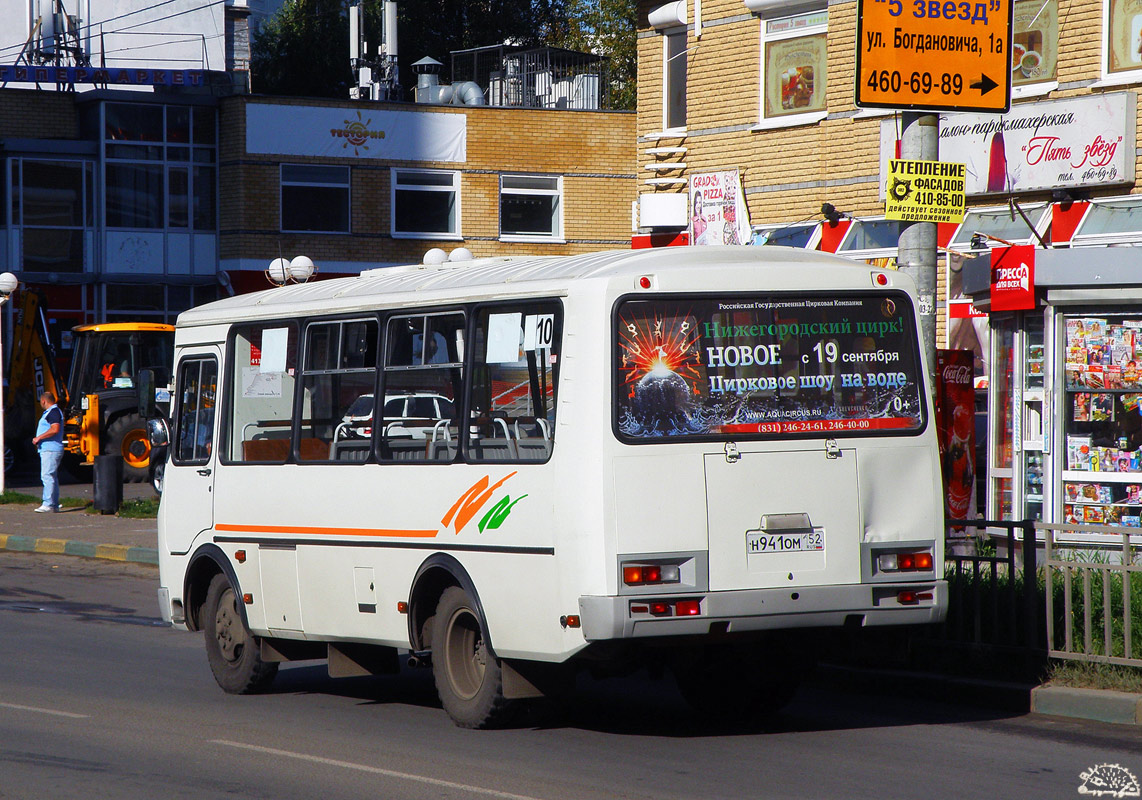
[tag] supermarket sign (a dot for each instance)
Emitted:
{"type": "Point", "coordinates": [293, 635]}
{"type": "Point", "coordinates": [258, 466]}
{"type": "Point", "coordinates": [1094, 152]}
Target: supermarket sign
{"type": "Point", "coordinates": [1013, 278]}
{"type": "Point", "coordinates": [1074, 142]}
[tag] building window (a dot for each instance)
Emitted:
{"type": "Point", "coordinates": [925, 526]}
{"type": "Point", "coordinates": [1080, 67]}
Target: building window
{"type": "Point", "coordinates": [315, 199]}
{"type": "Point", "coordinates": [134, 195]}
{"type": "Point", "coordinates": [674, 79]}
{"type": "Point", "coordinates": [1123, 32]}
{"type": "Point", "coordinates": [793, 67]}
{"type": "Point", "coordinates": [160, 167]}
{"type": "Point", "coordinates": [1035, 42]}
{"type": "Point", "coordinates": [531, 207]}
{"type": "Point", "coordinates": [153, 302]}
{"type": "Point", "coordinates": [52, 204]}
{"type": "Point", "coordinates": [426, 204]}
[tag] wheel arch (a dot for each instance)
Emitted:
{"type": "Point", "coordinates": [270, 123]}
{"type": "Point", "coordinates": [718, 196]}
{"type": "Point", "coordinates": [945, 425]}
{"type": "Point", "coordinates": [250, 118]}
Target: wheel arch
{"type": "Point", "coordinates": [207, 561]}
{"type": "Point", "coordinates": [435, 574]}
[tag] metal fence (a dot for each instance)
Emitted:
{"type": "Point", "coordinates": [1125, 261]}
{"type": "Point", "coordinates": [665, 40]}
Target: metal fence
{"type": "Point", "coordinates": [1101, 595]}
{"type": "Point", "coordinates": [541, 77]}
{"type": "Point", "coordinates": [993, 601]}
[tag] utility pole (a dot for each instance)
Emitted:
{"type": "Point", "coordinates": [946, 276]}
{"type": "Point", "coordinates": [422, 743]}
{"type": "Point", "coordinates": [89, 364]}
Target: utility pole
{"type": "Point", "coordinates": [916, 254]}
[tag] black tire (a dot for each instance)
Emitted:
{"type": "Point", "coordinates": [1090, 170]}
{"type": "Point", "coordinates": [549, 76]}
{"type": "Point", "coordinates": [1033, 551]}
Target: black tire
{"type": "Point", "coordinates": [127, 437]}
{"type": "Point", "coordinates": [233, 652]}
{"type": "Point", "coordinates": [738, 683]}
{"type": "Point", "coordinates": [157, 478]}
{"type": "Point", "coordinates": [468, 677]}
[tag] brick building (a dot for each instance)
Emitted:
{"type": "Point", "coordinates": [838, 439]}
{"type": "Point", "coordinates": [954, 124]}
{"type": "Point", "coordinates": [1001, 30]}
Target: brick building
{"type": "Point", "coordinates": [141, 204]}
{"type": "Point", "coordinates": [766, 88]}
{"type": "Point", "coordinates": [341, 182]}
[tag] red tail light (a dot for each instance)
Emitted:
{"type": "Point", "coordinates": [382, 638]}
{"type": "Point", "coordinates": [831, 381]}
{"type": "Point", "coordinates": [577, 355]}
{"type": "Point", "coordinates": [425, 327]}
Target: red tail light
{"type": "Point", "coordinates": [910, 598]}
{"type": "Point", "coordinates": [688, 608]}
{"type": "Point", "coordinates": [660, 609]}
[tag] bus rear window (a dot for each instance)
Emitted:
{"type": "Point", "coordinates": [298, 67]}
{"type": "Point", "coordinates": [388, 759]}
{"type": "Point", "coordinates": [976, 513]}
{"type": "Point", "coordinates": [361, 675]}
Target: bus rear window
{"type": "Point", "coordinates": [766, 366]}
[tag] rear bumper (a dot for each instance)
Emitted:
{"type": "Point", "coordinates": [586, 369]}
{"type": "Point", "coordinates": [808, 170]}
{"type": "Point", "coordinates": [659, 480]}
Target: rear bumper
{"type": "Point", "coordinates": [611, 617]}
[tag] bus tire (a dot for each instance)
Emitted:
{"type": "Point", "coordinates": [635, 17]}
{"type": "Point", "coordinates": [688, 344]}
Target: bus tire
{"type": "Point", "coordinates": [233, 652]}
{"type": "Point", "coordinates": [127, 437]}
{"type": "Point", "coordinates": [468, 676]}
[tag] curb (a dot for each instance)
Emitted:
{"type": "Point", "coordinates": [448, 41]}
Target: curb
{"type": "Point", "coordinates": [109, 552]}
{"type": "Point", "coordinates": [1096, 705]}
{"type": "Point", "coordinates": [1120, 708]}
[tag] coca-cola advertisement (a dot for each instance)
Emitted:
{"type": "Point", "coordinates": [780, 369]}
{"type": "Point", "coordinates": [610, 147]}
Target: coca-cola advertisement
{"type": "Point", "coordinates": [955, 430]}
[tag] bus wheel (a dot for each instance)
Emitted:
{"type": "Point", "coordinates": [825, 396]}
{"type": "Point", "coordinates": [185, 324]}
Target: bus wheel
{"type": "Point", "coordinates": [468, 677]}
{"type": "Point", "coordinates": [127, 437]}
{"type": "Point", "coordinates": [737, 683]}
{"type": "Point", "coordinates": [233, 652]}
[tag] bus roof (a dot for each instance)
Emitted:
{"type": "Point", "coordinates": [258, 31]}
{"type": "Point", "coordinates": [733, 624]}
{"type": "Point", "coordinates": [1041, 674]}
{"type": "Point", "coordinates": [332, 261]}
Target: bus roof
{"type": "Point", "coordinates": [124, 327]}
{"type": "Point", "coordinates": [418, 284]}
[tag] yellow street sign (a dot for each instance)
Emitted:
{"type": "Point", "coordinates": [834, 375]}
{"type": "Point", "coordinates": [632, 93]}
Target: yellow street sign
{"type": "Point", "coordinates": [924, 191]}
{"type": "Point", "coordinates": [943, 55]}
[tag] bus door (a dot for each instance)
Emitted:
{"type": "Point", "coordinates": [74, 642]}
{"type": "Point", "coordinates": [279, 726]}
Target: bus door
{"type": "Point", "coordinates": [188, 489]}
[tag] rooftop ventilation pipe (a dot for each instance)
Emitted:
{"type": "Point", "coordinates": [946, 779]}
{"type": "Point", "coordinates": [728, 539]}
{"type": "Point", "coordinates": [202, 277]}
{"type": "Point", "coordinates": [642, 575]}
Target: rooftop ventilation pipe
{"type": "Point", "coordinates": [429, 90]}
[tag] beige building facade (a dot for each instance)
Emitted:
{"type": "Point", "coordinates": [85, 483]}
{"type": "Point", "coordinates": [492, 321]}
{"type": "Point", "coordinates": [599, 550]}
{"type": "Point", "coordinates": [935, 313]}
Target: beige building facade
{"type": "Point", "coordinates": [767, 88]}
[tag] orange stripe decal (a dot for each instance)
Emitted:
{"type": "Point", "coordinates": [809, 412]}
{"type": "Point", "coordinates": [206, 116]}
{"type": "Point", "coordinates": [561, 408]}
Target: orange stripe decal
{"type": "Point", "coordinates": [315, 531]}
{"type": "Point", "coordinates": [472, 501]}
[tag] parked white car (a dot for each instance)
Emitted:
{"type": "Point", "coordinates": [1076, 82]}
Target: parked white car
{"type": "Point", "coordinates": [411, 415]}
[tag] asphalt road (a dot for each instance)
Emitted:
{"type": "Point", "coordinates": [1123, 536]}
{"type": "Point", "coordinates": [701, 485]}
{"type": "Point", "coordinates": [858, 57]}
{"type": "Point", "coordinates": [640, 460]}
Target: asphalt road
{"type": "Point", "coordinates": [97, 699]}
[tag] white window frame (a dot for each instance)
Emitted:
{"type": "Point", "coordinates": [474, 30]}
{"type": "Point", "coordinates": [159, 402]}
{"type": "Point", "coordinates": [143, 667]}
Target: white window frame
{"type": "Point", "coordinates": [557, 232]}
{"type": "Point", "coordinates": [347, 186]}
{"type": "Point", "coordinates": [454, 188]}
{"type": "Point", "coordinates": [1111, 78]}
{"type": "Point", "coordinates": [814, 235]}
{"type": "Point", "coordinates": [786, 120]}
{"type": "Point", "coordinates": [1038, 213]}
{"type": "Point", "coordinates": [682, 31]}
{"type": "Point", "coordinates": [873, 252]}
{"type": "Point", "coordinates": [1044, 87]}
{"type": "Point", "coordinates": [1080, 239]}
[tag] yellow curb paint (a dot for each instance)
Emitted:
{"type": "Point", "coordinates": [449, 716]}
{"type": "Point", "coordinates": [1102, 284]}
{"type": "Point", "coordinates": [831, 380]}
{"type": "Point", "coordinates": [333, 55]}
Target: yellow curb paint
{"type": "Point", "coordinates": [50, 545]}
{"type": "Point", "coordinates": [114, 552]}
{"type": "Point", "coordinates": [3, 541]}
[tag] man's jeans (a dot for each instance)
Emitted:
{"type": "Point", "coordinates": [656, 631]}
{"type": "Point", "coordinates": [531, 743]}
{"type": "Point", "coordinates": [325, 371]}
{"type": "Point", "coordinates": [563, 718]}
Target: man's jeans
{"type": "Point", "coordinates": [49, 475]}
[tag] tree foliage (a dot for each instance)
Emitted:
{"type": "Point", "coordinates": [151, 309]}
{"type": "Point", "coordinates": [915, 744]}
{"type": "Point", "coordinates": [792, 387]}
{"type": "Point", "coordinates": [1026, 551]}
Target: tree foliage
{"type": "Point", "coordinates": [304, 48]}
{"type": "Point", "coordinates": [605, 27]}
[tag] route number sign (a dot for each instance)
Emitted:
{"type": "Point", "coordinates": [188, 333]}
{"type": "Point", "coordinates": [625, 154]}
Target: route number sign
{"type": "Point", "coordinates": [942, 55]}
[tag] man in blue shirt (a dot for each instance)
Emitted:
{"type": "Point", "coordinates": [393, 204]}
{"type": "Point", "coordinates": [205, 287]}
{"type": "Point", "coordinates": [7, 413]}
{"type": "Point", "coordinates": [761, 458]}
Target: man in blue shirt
{"type": "Point", "coordinates": [49, 441]}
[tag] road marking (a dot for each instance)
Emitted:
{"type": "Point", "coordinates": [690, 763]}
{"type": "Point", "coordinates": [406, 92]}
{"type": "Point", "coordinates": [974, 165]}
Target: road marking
{"type": "Point", "coordinates": [54, 713]}
{"type": "Point", "coordinates": [375, 770]}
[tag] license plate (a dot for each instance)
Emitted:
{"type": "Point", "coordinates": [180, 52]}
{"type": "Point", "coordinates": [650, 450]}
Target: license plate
{"type": "Point", "coordinates": [803, 541]}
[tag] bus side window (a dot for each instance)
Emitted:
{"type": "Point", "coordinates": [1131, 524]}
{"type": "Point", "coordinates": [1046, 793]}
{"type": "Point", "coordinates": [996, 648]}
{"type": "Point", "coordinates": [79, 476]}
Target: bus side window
{"type": "Point", "coordinates": [194, 417]}
{"type": "Point", "coordinates": [513, 387]}
{"type": "Point", "coordinates": [339, 379]}
{"type": "Point", "coordinates": [422, 375]}
{"type": "Point", "coordinates": [262, 384]}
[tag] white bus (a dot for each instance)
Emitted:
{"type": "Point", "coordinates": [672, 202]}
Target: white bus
{"type": "Point", "coordinates": [673, 456]}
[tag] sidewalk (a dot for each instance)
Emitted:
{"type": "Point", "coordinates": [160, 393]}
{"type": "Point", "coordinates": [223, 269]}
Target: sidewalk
{"type": "Point", "coordinates": [76, 531]}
